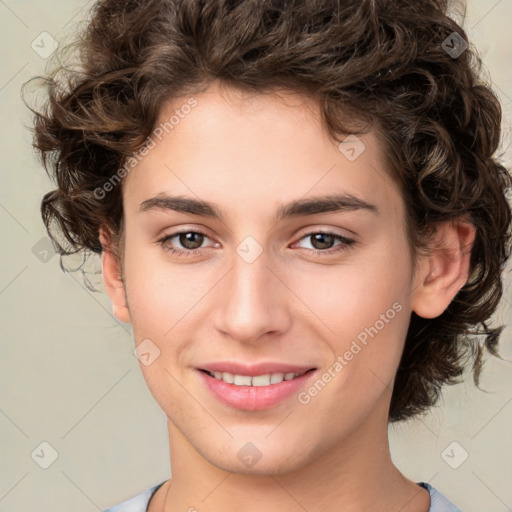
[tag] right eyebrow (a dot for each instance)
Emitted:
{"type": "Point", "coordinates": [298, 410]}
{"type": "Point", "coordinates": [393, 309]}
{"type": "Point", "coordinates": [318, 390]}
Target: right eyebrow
{"type": "Point", "coordinates": [181, 204]}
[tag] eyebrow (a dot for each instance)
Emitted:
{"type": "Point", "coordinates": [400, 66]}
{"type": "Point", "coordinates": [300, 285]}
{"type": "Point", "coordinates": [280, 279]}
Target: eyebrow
{"type": "Point", "coordinates": [299, 207]}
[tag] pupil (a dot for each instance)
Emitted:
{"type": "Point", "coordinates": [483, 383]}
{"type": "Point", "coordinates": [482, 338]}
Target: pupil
{"type": "Point", "coordinates": [187, 240]}
{"type": "Point", "coordinates": [321, 239]}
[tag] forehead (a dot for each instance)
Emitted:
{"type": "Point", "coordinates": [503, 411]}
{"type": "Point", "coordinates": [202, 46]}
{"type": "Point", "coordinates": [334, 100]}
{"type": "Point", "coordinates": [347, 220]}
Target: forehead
{"type": "Point", "coordinates": [255, 150]}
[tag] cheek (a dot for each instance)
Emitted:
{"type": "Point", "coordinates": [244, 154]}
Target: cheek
{"type": "Point", "coordinates": [165, 303]}
{"type": "Point", "coordinates": [160, 295]}
{"type": "Point", "coordinates": [352, 294]}
{"type": "Point", "coordinates": [361, 309]}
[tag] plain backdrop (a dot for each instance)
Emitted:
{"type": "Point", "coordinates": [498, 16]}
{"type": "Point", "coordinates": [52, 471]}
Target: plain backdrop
{"type": "Point", "coordinates": [69, 378]}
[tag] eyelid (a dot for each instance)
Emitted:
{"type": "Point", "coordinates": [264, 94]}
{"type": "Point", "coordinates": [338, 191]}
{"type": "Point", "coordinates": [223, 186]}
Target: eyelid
{"type": "Point", "coordinates": [345, 242]}
{"type": "Point", "coordinates": [174, 234]}
{"type": "Point", "coordinates": [171, 231]}
{"type": "Point", "coordinates": [162, 240]}
{"type": "Point", "coordinates": [311, 230]}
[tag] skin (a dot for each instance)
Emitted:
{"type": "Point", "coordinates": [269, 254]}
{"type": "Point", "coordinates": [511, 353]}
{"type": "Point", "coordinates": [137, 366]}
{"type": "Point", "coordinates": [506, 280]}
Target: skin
{"type": "Point", "coordinates": [249, 155]}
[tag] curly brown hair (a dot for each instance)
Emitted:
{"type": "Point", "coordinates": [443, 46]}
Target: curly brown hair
{"type": "Point", "coordinates": [386, 63]}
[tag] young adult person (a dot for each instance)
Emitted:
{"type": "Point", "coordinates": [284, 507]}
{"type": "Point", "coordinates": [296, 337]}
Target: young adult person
{"type": "Point", "coordinates": [299, 210]}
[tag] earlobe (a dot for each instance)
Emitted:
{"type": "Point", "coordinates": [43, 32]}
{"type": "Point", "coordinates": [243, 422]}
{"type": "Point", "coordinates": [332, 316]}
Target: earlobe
{"type": "Point", "coordinates": [113, 280]}
{"type": "Point", "coordinates": [445, 270]}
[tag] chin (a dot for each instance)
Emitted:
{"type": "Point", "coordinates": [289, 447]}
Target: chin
{"type": "Point", "coordinates": [260, 458]}
{"type": "Point", "coordinates": [275, 465]}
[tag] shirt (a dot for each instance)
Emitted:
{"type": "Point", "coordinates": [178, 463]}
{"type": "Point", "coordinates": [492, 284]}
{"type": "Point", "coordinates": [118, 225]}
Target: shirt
{"type": "Point", "coordinates": [139, 503]}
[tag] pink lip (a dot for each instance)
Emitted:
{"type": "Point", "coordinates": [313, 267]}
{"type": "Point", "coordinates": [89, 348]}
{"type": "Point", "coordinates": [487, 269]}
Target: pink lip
{"type": "Point", "coordinates": [255, 398]}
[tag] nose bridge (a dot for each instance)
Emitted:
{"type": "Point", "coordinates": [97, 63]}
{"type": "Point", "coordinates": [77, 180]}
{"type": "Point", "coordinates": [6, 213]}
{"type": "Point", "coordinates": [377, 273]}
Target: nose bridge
{"type": "Point", "coordinates": [251, 303]}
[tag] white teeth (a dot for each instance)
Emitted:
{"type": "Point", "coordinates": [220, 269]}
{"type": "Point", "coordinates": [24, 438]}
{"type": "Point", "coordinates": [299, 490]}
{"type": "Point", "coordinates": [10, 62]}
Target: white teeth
{"type": "Point", "coordinates": [228, 377]}
{"type": "Point", "coordinates": [258, 380]}
{"type": "Point", "coordinates": [276, 378]}
{"type": "Point", "coordinates": [242, 380]}
{"type": "Point", "coordinates": [261, 380]}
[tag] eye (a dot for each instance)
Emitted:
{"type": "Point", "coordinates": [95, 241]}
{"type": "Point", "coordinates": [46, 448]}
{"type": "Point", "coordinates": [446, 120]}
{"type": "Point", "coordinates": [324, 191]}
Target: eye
{"type": "Point", "coordinates": [191, 241]}
{"type": "Point", "coordinates": [322, 242]}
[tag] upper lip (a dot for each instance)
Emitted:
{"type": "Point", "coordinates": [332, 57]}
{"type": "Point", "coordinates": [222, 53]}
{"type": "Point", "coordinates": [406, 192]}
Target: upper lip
{"type": "Point", "coordinates": [254, 369]}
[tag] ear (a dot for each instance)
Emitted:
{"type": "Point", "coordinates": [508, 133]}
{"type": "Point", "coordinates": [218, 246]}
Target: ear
{"type": "Point", "coordinates": [112, 279]}
{"type": "Point", "coordinates": [445, 270]}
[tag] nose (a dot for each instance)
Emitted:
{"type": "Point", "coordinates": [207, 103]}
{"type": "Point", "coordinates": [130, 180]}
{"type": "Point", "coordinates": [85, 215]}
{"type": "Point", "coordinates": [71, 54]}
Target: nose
{"type": "Point", "coordinates": [252, 302]}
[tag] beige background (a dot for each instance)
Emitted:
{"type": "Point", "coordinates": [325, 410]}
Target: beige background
{"type": "Point", "coordinates": [68, 376]}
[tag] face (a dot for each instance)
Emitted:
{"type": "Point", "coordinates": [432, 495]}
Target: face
{"type": "Point", "coordinates": [246, 274]}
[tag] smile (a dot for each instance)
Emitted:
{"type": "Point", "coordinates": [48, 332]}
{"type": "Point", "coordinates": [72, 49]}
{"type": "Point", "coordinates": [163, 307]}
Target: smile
{"type": "Point", "coordinates": [253, 392]}
{"type": "Point", "coordinates": [267, 379]}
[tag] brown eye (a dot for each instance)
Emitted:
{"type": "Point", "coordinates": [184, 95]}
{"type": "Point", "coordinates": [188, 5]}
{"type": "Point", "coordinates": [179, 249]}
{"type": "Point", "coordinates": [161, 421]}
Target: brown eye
{"type": "Point", "coordinates": [185, 243]}
{"type": "Point", "coordinates": [324, 243]}
{"type": "Point", "coordinates": [191, 239]}
{"type": "Point", "coordinates": [322, 240]}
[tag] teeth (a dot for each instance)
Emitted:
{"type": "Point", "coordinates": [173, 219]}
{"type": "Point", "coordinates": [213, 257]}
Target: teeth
{"type": "Point", "coordinates": [276, 378]}
{"type": "Point", "coordinates": [242, 380]}
{"type": "Point", "coordinates": [258, 380]}
{"type": "Point", "coordinates": [227, 377]}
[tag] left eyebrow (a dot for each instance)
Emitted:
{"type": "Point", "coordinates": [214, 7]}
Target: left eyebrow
{"type": "Point", "coordinates": [325, 204]}
{"type": "Point", "coordinates": [308, 206]}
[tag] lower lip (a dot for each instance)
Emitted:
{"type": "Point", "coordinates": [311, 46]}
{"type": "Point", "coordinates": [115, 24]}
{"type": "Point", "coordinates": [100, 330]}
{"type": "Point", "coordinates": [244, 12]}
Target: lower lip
{"type": "Point", "coordinates": [254, 398]}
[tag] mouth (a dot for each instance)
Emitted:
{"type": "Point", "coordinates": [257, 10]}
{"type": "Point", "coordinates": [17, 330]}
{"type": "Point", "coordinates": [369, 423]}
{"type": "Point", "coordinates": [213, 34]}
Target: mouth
{"type": "Point", "coordinates": [254, 388]}
{"type": "Point", "coordinates": [266, 379]}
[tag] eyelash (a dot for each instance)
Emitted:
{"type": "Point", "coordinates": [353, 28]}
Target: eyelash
{"type": "Point", "coordinates": [346, 243]}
